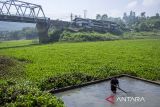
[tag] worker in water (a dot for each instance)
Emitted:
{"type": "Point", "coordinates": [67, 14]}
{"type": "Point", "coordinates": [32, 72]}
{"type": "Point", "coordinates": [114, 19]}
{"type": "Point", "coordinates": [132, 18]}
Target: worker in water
{"type": "Point", "coordinates": [114, 84]}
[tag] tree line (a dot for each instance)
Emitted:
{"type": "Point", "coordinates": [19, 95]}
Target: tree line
{"type": "Point", "coordinates": [133, 22]}
{"type": "Point", "coordinates": [25, 33]}
{"type": "Point", "coordinates": [129, 22]}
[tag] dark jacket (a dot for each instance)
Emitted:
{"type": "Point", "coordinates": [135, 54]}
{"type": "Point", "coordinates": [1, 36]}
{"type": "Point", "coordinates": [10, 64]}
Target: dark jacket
{"type": "Point", "coordinates": [114, 83]}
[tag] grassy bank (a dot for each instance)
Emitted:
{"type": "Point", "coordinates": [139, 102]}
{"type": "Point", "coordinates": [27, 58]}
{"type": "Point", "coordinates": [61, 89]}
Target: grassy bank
{"type": "Point", "coordinates": [137, 56]}
{"type": "Point", "coordinates": [141, 35]}
{"type": "Point", "coordinates": [68, 36]}
{"type": "Point", "coordinates": [86, 36]}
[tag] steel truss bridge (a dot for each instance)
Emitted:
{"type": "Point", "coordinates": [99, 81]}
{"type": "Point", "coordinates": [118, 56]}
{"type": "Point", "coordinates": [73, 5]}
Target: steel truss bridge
{"type": "Point", "coordinates": [20, 11]}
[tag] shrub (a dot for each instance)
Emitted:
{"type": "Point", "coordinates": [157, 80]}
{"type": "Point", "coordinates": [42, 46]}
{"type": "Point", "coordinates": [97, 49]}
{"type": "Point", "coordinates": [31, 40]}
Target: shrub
{"type": "Point", "coordinates": [55, 35]}
{"type": "Point", "coordinates": [10, 67]}
{"type": "Point", "coordinates": [26, 96]}
{"type": "Point", "coordinates": [140, 35]}
{"type": "Point", "coordinates": [64, 80]}
{"type": "Point", "coordinates": [86, 36]}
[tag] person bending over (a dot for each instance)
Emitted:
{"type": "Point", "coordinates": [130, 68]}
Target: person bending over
{"type": "Point", "coordinates": [114, 84]}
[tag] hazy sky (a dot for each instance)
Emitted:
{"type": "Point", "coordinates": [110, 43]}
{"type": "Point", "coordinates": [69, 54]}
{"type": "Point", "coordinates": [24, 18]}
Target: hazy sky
{"type": "Point", "coordinates": [61, 9]}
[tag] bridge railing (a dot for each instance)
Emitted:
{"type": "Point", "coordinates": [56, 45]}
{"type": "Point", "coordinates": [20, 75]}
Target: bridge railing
{"type": "Point", "coordinates": [21, 9]}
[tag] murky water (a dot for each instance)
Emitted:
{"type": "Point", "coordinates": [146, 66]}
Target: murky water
{"type": "Point", "coordinates": [95, 95]}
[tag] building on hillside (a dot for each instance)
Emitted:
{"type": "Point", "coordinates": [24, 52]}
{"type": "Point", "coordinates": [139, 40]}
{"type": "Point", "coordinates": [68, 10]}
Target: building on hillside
{"type": "Point", "coordinates": [97, 25]}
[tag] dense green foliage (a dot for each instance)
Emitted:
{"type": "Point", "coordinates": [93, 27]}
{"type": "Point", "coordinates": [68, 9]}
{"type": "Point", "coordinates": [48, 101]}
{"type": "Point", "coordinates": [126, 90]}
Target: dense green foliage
{"type": "Point", "coordinates": [70, 36]}
{"type": "Point", "coordinates": [77, 78]}
{"type": "Point", "coordinates": [64, 80]}
{"type": "Point", "coordinates": [134, 56]}
{"type": "Point", "coordinates": [142, 23]}
{"type": "Point", "coordinates": [25, 33]}
{"type": "Point", "coordinates": [26, 96]}
{"type": "Point", "coordinates": [54, 36]}
{"type": "Point", "coordinates": [10, 67]}
{"type": "Point", "coordinates": [86, 36]}
{"type": "Point", "coordinates": [28, 70]}
{"type": "Point", "coordinates": [64, 64]}
{"type": "Point", "coordinates": [141, 35]}
{"type": "Point", "coordinates": [150, 24]}
{"type": "Point", "coordinates": [18, 43]}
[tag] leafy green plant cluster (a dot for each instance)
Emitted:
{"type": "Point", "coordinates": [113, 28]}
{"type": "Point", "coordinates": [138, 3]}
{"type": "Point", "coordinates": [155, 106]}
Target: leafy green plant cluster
{"type": "Point", "coordinates": [17, 43]}
{"type": "Point", "coordinates": [86, 36]}
{"type": "Point", "coordinates": [54, 36]}
{"type": "Point", "coordinates": [93, 58]}
{"type": "Point", "coordinates": [71, 36]}
{"type": "Point", "coordinates": [64, 64]}
{"type": "Point", "coordinates": [26, 96]}
{"type": "Point", "coordinates": [10, 67]}
{"type": "Point", "coordinates": [77, 78]}
{"type": "Point", "coordinates": [150, 24]}
{"type": "Point", "coordinates": [141, 35]}
{"type": "Point", "coordinates": [69, 79]}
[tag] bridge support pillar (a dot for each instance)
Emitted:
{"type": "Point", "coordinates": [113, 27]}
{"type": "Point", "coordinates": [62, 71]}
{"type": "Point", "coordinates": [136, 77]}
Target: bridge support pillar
{"type": "Point", "coordinates": [42, 29]}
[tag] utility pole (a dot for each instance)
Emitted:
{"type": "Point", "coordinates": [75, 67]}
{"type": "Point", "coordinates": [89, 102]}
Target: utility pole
{"type": "Point", "coordinates": [71, 17]}
{"type": "Point", "coordinates": [85, 13]}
